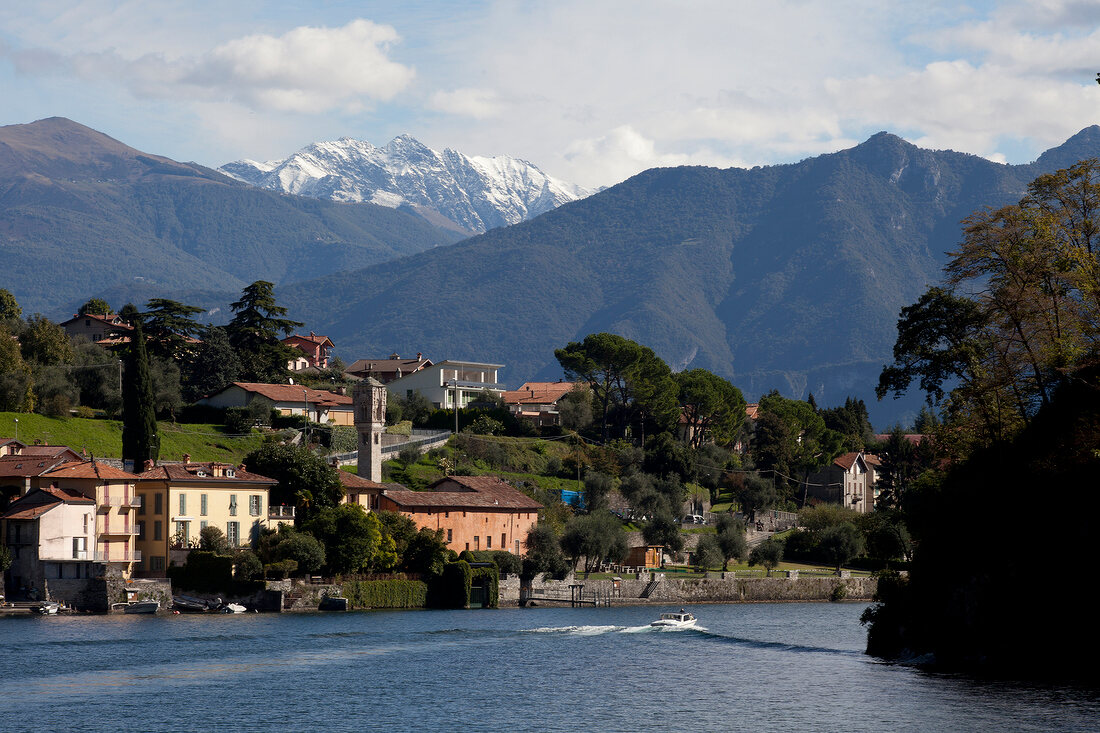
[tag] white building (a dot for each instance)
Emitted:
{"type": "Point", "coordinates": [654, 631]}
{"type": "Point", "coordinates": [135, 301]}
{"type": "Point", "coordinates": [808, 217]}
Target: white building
{"type": "Point", "coordinates": [439, 382]}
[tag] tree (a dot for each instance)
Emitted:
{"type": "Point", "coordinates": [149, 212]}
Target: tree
{"type": "Point", "coordinates": [305, 480]}
{"type": "Point", "coordinates": [246, 566]}
{"type": "Point", "coordinates": [575, 408]}
{"type": "Point", "coordinates": [768, 553]}
{"type": "Point", "coordinates": [426, 552]}
{"type": "Point", "coordinates": [852, 421]}
{"type": "Point", "coordinates": [214, 366]}
{"type": "Point", "coordinates": [254, 333]}
{"type": "Point", "coordinates": [44, 342]}
{"type": "Point", "coordinates": [97, 376]}
{"type": "Point", "coordinates": [598, 537]}
{"type": "Point", "coordinates": [9, 306]}
{"type": "Point", "coordinates": [351, 536]}
{"type": "Point", "coordinates": [212, 539]}
{"type": "Point", "coordinates": [16, 393]}
{"type": "Point", "coordinates": [169, 327]}
{"type": "Point", "coordinates": [140, 441]}
{"type": "Point", "coordinates": [95, 306]}
{"type": "Point", "coordinates": [707, 553]}
{"type": "Point", "coordinates": [597, 487]}
{"type": "Point", "coordinates": [840, 543]}
{"type": "Point", "coordinates": [731, 539]}
{"type": "Point", "coordinates": [544, 554]}
{"type": "Point", "coordinates": [756, 494]}
{"type": "Point", "coordinates": [713, 408]}
{"type": "Point", "coordinates": [663, 530]}
{"type": "Point", "coordinates": [303, 548]}
{"type": "Point", "coordinates": [901, 464]}
{"type": "Point", "coordinates": [399, 528]}
{"type": "Point", "coordinates": [794, 438]}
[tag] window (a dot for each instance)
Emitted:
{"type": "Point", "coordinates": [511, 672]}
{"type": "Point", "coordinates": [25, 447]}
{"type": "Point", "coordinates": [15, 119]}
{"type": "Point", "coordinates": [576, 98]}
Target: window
{"type": "Point", "coordinates": [184, 529]}
{"type": "Point", "coordinates": [85, 524]}
{"type": "Point", "coordinates": [503, 540]}
{"type": "Point", "coordinates": [80, 546]}
{"type": "Point", "coordinates": [183, 505]}
{"type": "Point", "coordinates": [203, 524]}
{"type": "Point", "coordinates": [141, 505]}
{"type": "Point", "coordinates": [467, 545]}
{"type": "Point", "coordinates": [232, 505]}
{"type": "Point", "coordinates": [477, 543]}
{"type": "Point", "coordinates": [488, 542]}
{"type": "Point", "coordinates": [140, 530]}
{"type": "Point", "coordinates": [202, 505]}
{"type": "Point", "coordinates": [255, 505]}
{"type": "Point", "coordinates": [447, 514]}
{"type": "Point", "coordinates": [158, 504]}
{"type": "Point", "coordinates": [233, 533]}
{"type": "Point", "coordinates": [156, 562]}
{"type": "Point", "coordinates": [449, 538]}
{"type": "Point", "coordinates": [157, 531]}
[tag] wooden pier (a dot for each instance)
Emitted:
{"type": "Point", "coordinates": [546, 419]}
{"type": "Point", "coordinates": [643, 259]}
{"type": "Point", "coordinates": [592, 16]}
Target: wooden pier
{"type": "Point", "coordinates": [577, 597]}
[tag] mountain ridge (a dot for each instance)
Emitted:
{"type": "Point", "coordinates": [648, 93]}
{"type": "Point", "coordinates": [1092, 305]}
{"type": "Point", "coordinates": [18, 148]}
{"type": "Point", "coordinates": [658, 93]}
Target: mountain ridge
{"type": "Point", "coordinates": [475, 193]}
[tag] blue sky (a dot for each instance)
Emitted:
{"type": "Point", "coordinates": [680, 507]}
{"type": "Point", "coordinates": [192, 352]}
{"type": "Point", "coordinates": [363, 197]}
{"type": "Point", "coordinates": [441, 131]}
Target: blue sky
{"type": "Point", "coordinates": [590, 91]}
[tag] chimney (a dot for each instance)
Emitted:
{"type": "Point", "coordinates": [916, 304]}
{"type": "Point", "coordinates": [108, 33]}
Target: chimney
{"type": "Point", "coordinates": [148, 464]}
{"type": "Point", "coordinates": [419, 356]}
{"type": "Point", "coordinates": [312, 334]}
{"type": "Point", "coordinates": [186, 457]}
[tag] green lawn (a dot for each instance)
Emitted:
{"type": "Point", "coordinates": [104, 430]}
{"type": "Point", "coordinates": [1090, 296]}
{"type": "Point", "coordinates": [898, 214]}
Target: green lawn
{"type": "Point", "coordinates": [103, 438]}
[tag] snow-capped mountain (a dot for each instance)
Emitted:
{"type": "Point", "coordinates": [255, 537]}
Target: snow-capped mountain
{"type": "Point", "coordinates": [475, 193]}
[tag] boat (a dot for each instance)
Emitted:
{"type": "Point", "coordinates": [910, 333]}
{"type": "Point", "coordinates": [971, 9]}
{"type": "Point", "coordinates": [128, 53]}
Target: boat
{"type": "Point", "coordinates": [48, 608]}
{"type": "Point", "coordinates": [142, 607]}
{"type": "Point", "coordinates": [681, 620]}
{"type": "Point", "coordinates": [189, 604]}
{"type": "Point", "coordinates": [233, 608]}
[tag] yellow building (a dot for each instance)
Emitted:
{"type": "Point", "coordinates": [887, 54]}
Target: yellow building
{"type": "Point", "coordinates": [178, 500]}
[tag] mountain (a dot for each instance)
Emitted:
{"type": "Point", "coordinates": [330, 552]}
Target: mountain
{"type": "Point", "coordinates": [473, 194]}
{"type": "Point", "coordinates": [788, 277]}
{"type": "Point", "coordinates": [81, 213]}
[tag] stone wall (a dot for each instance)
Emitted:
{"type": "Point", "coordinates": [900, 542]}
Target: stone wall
{"type": "Point", "coordinates": [717, 589]}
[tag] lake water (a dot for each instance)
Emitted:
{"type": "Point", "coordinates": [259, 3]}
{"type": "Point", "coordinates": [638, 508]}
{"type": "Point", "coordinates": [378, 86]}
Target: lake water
{"type": "Point", "coordinates": [772, 667]}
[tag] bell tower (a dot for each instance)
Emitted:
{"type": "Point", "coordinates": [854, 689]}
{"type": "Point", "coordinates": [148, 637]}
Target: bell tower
{"type": "Point", "coordinates": [369, 398]}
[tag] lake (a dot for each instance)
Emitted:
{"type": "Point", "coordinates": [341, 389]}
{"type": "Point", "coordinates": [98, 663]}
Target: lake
{"type": "Point", "coordinates": [773, 667]}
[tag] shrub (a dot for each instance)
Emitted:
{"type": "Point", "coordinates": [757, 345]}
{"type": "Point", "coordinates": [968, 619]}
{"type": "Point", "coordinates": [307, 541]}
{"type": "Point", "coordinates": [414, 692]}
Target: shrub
{"type": "Point", "coordinates": [305, 550]}
{"type": "Point", "coordinates": [212, 539]}
{"type": "Point", "coordinates": [386, 593]}
{"type": "Point", "coordinates": [85, 412]}
{"type": "Point", "coordinates": [281, 570]}
{"type": "Point", "coordinates": [238, 420]}
{"type": "Point", "coordinates": [248, 566]}
{"type": "Point", "coordinates": [453, 588]}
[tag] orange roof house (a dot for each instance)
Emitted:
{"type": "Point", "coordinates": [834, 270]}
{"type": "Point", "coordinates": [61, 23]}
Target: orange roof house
{"type": "Point", "coordinates": [314, 350]}
{"type": "Point", "coordinates": [319, 405]}
{"type": "Point", "coordinates": [475, 512]}
{"type": "Point", "coordinates": [97, 328]}
{"type": "Point", "coordinates": [538, 401]}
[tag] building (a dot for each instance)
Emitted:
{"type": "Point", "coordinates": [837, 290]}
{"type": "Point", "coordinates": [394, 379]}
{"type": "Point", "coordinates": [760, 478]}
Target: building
{"type": "Point", "coordinates": [369, 397]}
{"type": "Point", "coordinates": [537, 402]}
{"type": "Point", "coordinates": [108, 328]}
{"type": "Point", "coordinates": [317, 405]}
{"type": "Point", "coordinates": [439, 383]}
{"type": "Point", "coordinates": [314, 350]}
{"type": "Point", "coordinates": [361, 491]}
{"type": "Point", "coordinates": [474, 512]}
{"type": "Point", "coordinates": [50, 534]}
{"type": "Point", "coordinates": [849, 480]}
{"type": "Point", "coordinates": [387, 369]}
{"type": "Point", "coordinates": [179, 500]}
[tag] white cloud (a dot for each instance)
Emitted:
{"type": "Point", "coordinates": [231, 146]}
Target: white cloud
{"type": "Point", "coordinates": [480, 104]}
{"type": "Point", "coordinates": [305, 70]}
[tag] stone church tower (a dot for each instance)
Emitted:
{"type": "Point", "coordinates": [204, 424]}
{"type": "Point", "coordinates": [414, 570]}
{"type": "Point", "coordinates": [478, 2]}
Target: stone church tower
{"type": "Point", "coordinates": [369, 397]}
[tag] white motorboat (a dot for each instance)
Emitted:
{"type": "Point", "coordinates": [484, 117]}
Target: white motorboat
{"type": "Point", "coordinates": [233, 608]}
{"type": "Point", "coordinates": [681, 620]}
{"type": "Point", "coordinates": [48, 608]}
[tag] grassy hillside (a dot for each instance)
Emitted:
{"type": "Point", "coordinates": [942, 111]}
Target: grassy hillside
{"type": "Point", "coordinates": [103, 438]}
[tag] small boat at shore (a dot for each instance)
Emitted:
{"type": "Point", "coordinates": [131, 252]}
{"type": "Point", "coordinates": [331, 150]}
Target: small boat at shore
{"type": "Point", "coordinates": [48, 608]}
{"type": "Point", "coordinates": [681, 620]}
{"type": "Point", "coordinates": [233, 608]}
{"type": "Point", "coordinates": [141, 607]}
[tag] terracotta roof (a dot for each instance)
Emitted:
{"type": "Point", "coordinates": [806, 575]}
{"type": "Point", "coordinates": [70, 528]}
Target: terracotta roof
{"type": "Point", "coordinates": [353, 481]}
{"type": "Point", "coordinates": [25, 466]}
{"type": "Point", "coordinates": [476, 492]}
{"type": "Point", "coordinates": [91, 469]}
{"type": "Point", "coordinates": [311, 338]}
{"type": "Point", "coordinates": [387, 366]}
{"type": "Point", "coordinates": [872, 459]}
{"type": "Point", "coordinates": [751, 410]}
{"type": "Point", "coordinates": [847, 460]}
{"type": "Point", "coordinates": [294, 393]}
{"type": "Point", "coordinates": [111, 319]}
{"type": "Point", "coordinates": [50, 451]}
{"type": "Point", "coordinates": [538, 393]}
{"type": "Point", "coordinates": [39, 501]}
{"type": "Point", "coordinates": [190, 472]}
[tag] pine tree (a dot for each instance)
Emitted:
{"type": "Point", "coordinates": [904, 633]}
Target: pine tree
{"type": "Point", "coordinates": [140, 441]}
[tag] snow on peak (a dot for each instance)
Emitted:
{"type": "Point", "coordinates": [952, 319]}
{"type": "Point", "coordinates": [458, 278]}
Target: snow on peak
{"type": "Point", "coordinates": [476, 193]}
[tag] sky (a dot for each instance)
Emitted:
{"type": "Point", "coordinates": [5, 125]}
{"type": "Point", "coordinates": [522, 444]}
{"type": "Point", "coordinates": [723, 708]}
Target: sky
{"type": "Point", "coordinates": [590, 91]}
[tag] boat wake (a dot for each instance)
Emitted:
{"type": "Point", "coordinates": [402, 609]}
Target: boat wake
{"type": "Point", "coordinates": [699, 632]}
{"type": "Point", "coordinates": [598, 630]}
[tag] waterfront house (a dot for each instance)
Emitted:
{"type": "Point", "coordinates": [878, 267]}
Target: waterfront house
{"type": "Point", "coordinates": [50, 534]}
{"type": "Point", "coordinates": [474, 512]}
{"type": "Point", "coordinates": [178, 500]}
{"type": "Point", "coordinates": [318, 405]}
{"type": "Point", "coordinates": [442, 383]}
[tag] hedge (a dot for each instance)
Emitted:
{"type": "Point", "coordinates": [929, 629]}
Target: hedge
{"type": "Point", "coordinates": [386, 593]}
{"type": "Point", "coordinates": [490, 578]}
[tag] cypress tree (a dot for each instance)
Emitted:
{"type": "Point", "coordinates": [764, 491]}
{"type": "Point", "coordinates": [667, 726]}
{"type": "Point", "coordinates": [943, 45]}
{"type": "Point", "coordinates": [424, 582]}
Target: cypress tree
{"type": "Point", "coordinates": [140, 441]}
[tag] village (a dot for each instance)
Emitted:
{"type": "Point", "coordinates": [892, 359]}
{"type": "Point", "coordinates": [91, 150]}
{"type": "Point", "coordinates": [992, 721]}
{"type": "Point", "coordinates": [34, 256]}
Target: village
{"type": "Point", "coordinates": [102, 534]}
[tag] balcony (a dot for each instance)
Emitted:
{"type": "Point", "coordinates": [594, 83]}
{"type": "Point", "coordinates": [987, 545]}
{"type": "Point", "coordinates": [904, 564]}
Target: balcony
{"type": "Point", "coordinates": [280, 513]}
{"type": "Point", "coordinates": [116, 529]}
{"type": "Point", "coordinates": [113, 501]}
{"type": "Point", "coordinates": [119, 556]}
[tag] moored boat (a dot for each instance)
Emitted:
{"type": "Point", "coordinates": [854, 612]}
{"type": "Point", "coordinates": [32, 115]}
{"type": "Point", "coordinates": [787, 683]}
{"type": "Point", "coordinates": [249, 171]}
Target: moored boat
{"type": "Point", "coordinates": [142, 607]}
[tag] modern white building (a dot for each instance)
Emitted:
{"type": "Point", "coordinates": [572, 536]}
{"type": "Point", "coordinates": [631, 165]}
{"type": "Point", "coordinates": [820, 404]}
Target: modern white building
{"type": "Point", "coordinates": [439, 382]}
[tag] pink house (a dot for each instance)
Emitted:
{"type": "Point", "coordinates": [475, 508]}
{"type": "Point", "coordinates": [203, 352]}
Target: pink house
{"type": "Point", "coordinates": [314, 350]}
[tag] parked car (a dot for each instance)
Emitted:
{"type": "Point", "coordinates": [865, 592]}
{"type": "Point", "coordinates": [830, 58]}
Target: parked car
{"type": "Point", "coordinates": [694, 519]}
